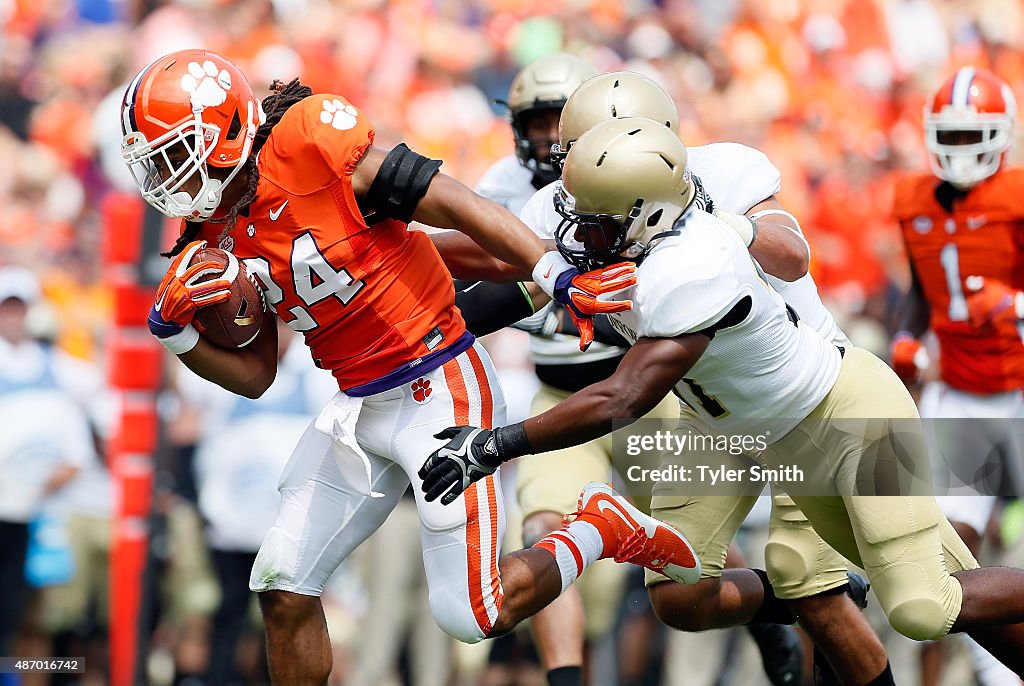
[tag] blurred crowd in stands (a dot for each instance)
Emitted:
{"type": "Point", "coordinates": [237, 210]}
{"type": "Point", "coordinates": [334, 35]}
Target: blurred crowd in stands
{"type": "Point", "coordinates": [831, 90]}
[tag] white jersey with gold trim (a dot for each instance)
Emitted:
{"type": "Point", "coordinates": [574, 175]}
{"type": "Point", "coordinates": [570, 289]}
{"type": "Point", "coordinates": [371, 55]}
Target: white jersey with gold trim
{"type": "Point", "coordinates": [737, 178]}
{"type": "Point", "coordinates": [760, 376]}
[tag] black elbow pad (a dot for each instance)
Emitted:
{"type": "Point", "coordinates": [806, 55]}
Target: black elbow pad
{"type": "Point", "coordinates": [402, 180]}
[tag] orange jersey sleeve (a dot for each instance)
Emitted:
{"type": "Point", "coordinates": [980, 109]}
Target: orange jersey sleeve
{"type": "Point", "coordinates": [371, 301]}
{"type": "Point", "coordinates": [983, 235]}
{"type": "Point", "coordinates": [317, 143]}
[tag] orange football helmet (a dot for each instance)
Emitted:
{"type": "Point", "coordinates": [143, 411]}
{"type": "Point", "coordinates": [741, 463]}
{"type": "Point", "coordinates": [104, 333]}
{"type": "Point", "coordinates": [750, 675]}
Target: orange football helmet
{"type": "Point", "coordinates": [199, 107]}
{"type": "Point", "coordinates": [969, 126]}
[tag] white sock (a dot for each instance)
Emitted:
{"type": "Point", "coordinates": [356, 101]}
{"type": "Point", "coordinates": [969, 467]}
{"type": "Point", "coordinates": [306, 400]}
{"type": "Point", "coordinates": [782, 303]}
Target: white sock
{"type": "Point", "coordinates": [574, 548]}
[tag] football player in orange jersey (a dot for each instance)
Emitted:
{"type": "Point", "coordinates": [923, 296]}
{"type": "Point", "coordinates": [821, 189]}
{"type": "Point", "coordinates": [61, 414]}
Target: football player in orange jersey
{"type": "Point", "coordinates": [294, 189]}
{"type": "Point", "coordinates": [963, 232]}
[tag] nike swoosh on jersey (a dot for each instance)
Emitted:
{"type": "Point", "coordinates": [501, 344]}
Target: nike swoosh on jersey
{"type": "Point", "coordinates": [274, 215]}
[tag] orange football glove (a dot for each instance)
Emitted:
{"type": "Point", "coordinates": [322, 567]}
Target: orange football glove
{"type": "Point", "coordinates": [582, 295]}
{"type": "Point", "coordinates": [990, 301]}
{"type": "Point", "coordinates": [908, 357]}
{"type": "Point", "coordinates": [179, 294]}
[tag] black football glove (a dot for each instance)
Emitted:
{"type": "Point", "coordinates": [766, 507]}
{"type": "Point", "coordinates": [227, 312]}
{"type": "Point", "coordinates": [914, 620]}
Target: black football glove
{"type": "Point", "coordinates": [470, 455]}
{"type": "Point", "coordinates": [701, 199]}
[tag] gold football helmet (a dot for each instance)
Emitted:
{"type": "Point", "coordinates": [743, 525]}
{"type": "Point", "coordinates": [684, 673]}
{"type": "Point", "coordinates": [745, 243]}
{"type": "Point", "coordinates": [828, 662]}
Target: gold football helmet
{"type": "Point", "coordinates": [612, 96]}
{"type": "Point", "coordinates": [544, 84]}
{"type": "Point", "coordinates": [624, 184]}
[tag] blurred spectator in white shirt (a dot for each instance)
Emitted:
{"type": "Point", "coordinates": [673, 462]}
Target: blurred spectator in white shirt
{"type": "Point", "coordinates": [45, 440]}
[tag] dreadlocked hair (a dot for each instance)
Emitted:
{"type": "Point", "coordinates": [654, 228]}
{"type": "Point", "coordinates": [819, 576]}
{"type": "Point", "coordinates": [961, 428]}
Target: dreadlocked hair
{"type": "Point", "coordinates": [282, 97]}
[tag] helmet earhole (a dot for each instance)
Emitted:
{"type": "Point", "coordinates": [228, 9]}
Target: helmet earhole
{"type": "Point", "coordinates": [235, 127]}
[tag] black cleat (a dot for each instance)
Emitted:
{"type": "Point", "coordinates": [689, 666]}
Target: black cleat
{"type": "Point", "coordinates": [782, 653]}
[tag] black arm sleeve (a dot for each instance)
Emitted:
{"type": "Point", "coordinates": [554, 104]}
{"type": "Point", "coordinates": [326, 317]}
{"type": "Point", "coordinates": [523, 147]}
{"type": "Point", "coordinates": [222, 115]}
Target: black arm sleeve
{"type": "Point", "coordinates": [488, 306]}
{"type": "Point", "coordinates": [403, 178]}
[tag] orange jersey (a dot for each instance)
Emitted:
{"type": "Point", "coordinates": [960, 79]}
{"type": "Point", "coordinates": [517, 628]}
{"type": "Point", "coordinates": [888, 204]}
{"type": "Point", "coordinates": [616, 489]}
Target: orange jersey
{"type": "Point", "coordinates": [374, 302]}
{"type": "Point", "coordinates": [983, 236]}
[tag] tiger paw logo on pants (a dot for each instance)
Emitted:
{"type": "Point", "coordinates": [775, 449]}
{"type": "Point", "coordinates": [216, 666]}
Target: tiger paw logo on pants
{"type": "Point", "coordinates": [421, 391]}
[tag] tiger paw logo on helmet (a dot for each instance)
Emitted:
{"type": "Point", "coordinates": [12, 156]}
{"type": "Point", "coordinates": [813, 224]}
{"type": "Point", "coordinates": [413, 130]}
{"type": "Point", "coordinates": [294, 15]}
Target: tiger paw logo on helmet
{"type": "Point", "coordinates": [339, 115]}
{"type": "Point", "coordinates": [206, 85]}
{"type": "Point", "coordinates": [421, 390]}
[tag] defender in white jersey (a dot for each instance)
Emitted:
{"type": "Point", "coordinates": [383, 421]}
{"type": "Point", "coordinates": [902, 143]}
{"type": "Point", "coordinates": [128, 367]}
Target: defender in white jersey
{"type": "Point", "coordinates": [742, 183]}
{"type": "Point", "coordinates": [536, 101]}
{"type": "Point", "coordinates": [739, 179]}
{"type": "Point", "coordinates": [543, 482]}
{"type": "Point", "coordinates": [801, 568]}
{"type": "Point", "coordinates": [628, 194]}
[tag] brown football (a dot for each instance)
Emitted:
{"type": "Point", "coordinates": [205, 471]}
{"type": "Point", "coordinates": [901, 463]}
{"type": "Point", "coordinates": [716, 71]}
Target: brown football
{"type": "Point", "coordinates": [235, 322]}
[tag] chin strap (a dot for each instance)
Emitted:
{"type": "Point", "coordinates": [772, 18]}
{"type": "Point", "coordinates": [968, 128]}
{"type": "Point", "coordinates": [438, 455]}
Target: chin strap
{"type": "Point", "coordinates": [638, 251]}
{"type": "Point", "coordinates": [217, 186]}
{"type": "Point", "coordinates": [213, 196]}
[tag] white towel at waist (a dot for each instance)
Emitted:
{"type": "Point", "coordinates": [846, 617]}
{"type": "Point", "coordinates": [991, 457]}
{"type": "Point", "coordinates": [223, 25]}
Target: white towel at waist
{"type": "Point", "coordinates": [338, 422]}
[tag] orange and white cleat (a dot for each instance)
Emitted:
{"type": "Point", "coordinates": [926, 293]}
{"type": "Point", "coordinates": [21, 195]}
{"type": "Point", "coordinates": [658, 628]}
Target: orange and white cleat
{"type": "Point", "coordinates": [638, 538]}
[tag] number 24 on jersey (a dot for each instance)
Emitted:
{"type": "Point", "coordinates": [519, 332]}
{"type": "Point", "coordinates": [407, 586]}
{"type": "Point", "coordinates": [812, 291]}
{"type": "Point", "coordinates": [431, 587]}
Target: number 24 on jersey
{"type": "Point", "coordinates": [313, 278]}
